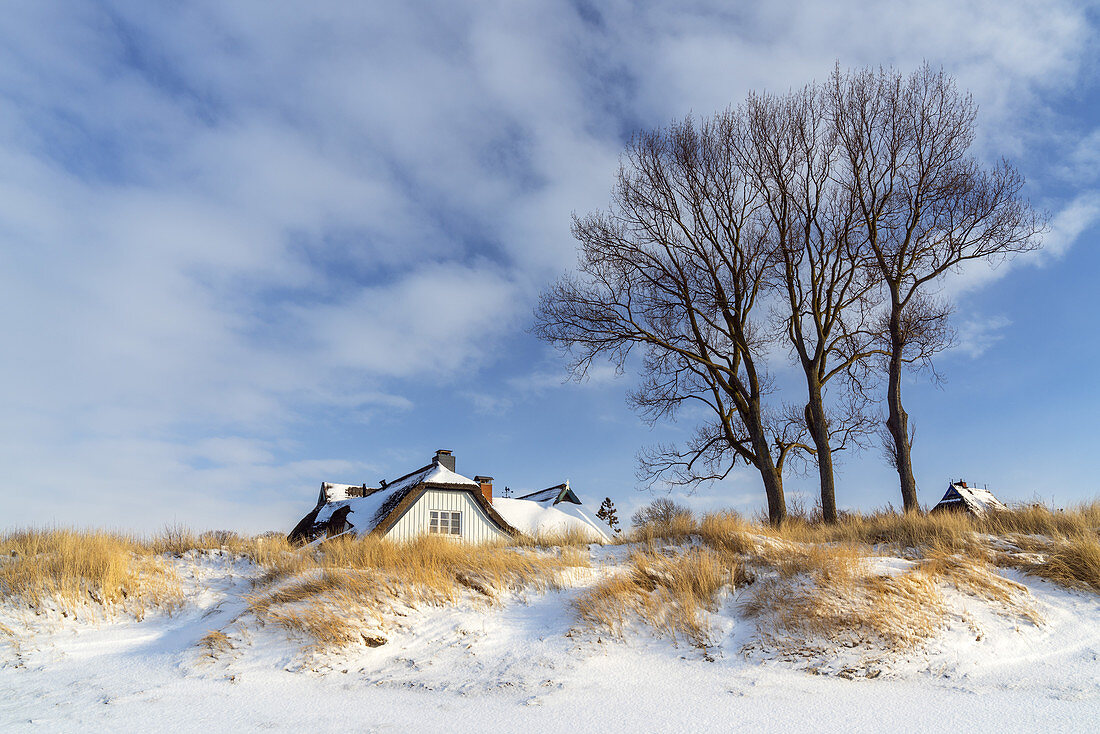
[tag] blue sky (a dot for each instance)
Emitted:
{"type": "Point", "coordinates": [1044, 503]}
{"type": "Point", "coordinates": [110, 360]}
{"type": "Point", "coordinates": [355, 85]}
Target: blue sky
{"type": "Point", "coordinates": [246, 247]}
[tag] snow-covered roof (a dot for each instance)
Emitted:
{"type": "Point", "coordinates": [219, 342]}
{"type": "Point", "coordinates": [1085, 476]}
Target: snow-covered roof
{"type": "Point", "coordinates": [553, 495]}
{"type": "Point", "coordinates": [333, 492]}
{"type": "Point", "coordinates": [364, 509]}
{"type": "Point", "coordinates": [364, 513]}
{"type": "Point", "coordinates": [537, 518]}
{"type": "Point", "coordinates": [543, 495]}
{"type": "Point", "coordinates": [975, 499]}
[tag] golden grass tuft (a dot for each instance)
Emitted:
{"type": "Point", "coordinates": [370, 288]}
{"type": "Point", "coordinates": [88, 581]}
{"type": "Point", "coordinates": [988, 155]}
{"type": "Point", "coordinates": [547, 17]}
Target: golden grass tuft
{"type": "Point", "coordinates": [728, 532]}
{"type": "Point", "coordinates": [215, 642]}
{"type": "Point", "coordinates": [678, 528]}
{"type": "Point", "coordinates": [976, 576]}
{"type": "Point", "coordinates": [344, 591]}
{"type": "Point", "coordinates": [668, 591]}
{"type": "Point", "coordinates": [1073, 562]}
{"type": "Point", "coordinates": [574, 537]}
{"type": "Point", "coordinates": [70, 569]}
{"type": "Point", "coordinates": [826, 596]}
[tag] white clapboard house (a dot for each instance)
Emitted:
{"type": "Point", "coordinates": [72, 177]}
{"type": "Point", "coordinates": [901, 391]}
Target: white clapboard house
{"type": "Point", "coordinates": [437, 500]}
{"type": "Point", "coordinates": [433, 499]}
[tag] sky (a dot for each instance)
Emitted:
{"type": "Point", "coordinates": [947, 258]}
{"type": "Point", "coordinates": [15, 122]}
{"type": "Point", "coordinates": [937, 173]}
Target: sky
{"type": "Point", "coordinates": [248, 247]}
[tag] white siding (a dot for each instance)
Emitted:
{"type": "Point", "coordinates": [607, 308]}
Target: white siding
{"type": "Point", "coordinates": [476, 525]}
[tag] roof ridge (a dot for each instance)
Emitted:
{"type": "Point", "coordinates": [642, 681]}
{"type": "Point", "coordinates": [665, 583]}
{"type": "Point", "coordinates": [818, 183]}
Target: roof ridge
{"type": "Point", "coordinates": [415, 471]}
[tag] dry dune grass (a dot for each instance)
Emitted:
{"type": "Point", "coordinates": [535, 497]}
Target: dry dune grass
{"type": "Point", "coordinates": [809, 586]}
{"type": "Point", "coordinates": [345, 591]}
{"type": "Point", "coordinates": [828, 595]}
{"type": "Point", "coordinates": [978, 577]}
{"type": "Point", "coordinates": [827, 601]}
{"type": "Point", "coordinates": [215, 642]}
{"type": "Point", "coordinates": [574, 537]}
{"type": "Point", "coordinates": [69, 569]}
{"type": "Point", "coordinates": [1064, 544]}
{"type": "Point", "coordinates": [1072, 562]}
{"type": "Point", "coordinates": [679, 528]}
{"type": "Point", "coordinates": [813, 582]}
{"type": "Point", "coordinates": [667, 590]}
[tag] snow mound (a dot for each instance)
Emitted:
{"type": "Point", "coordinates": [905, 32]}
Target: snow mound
{"type": "Point", "coordinates": [536, 518]}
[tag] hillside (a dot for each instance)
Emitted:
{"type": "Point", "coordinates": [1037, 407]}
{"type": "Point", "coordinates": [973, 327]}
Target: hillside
{"type": "Point", "coordinates": [691, 630]}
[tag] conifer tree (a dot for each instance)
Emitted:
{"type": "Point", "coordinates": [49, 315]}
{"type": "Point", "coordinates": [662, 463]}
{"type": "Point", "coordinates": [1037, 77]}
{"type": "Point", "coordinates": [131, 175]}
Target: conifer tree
{"type": "Point", "coordinates": [607, 513]}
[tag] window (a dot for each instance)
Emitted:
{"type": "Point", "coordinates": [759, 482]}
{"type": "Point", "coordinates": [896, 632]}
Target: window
{"type": "Point", "coordinates": [445, 522]}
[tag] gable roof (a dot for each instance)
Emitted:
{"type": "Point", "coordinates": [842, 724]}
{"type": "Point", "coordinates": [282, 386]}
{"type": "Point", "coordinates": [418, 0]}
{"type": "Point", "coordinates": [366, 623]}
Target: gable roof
{"type": "Point", "coordinates": [381, 507]}
{"type": "Point", "coordinates": [969, 499]}
{"type": "Point", "coordinates": [553, 495]}
{"type": "Point", "coordinates": [544, 518]}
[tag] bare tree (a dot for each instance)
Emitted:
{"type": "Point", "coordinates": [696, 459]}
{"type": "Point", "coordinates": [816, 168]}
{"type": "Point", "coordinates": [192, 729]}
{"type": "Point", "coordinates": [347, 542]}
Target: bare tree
{"type": "Point", "coordinates": [925, 207]}
{"type": "Point", "coordinates": [789, 151]}
{"type": "Point", "coordinates": [661, 511]}
{"type": "Point", "coordinates": [678, 266]}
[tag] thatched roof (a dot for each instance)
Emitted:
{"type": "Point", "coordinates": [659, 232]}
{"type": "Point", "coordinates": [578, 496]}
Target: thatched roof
{"type": "Point", "coordinates": [380, 508]}
{"type": "Point", "coordinates": [553, 495]}
{"type": "Point", "coordinates": [975, 500]}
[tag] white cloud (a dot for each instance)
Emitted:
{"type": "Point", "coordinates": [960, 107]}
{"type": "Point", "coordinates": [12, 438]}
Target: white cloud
{"type": "Point", "coordinates": [1067, 226]}
{"type": "Point", "coordinates": [438, 320]}
{"type": "Point", "coordinates": [219, 219]}
{"type": "Point", "coordinates": [976, 335]}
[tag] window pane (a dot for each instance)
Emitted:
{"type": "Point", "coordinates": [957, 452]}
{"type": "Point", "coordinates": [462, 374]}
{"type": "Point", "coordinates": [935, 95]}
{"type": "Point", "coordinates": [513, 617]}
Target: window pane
{"type": "Point", "coordinates": [455, 527]}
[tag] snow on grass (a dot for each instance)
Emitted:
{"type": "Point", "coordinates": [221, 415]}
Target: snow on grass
{"type": "Point", "coordinates": [692, 652]}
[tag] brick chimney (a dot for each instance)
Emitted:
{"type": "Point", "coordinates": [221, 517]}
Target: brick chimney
{"type": "Point", "coordinates": [445, 458]}
{"type": "Point", "coordinates": [486, 487]}
{"type": "Point", "coordinates": [962, 483]}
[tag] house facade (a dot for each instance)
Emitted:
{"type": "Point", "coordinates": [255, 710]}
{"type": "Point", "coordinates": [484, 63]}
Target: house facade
{"type": "Point", "coordinates": [433, 500]}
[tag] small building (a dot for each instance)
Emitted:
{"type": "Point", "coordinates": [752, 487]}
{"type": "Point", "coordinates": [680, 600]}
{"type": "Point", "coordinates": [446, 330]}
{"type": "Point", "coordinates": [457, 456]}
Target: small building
{"type": "Point", "coordinates": [977, 501]}
{"type": "Point", "coordinates": [552, 511]}
{"type": "Point", "coordinates": [434, 499]}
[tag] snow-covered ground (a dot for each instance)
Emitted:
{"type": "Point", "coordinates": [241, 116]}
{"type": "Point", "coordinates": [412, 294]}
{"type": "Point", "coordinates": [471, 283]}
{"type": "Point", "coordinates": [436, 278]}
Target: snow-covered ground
{"type": "Point", "coordinates": [522, 665]}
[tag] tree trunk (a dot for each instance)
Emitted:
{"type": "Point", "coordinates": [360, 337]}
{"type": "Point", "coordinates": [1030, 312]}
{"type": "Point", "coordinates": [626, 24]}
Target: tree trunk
{"type": "Point", "coordinates": [897, 421]}
{"type": "Point", "coordinates": [773, 486]}
{"type": "Point", "coordinates": [819, 432]}
{"type": "Point", "coordinates": [773, 480]}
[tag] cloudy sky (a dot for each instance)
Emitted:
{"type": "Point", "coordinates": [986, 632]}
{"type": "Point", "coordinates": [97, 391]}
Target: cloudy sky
{"type": "Point", "coordinates": [249, 246]}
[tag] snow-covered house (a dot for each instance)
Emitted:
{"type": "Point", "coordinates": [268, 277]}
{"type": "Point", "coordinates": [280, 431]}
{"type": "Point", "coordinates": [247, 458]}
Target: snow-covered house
{"type": "Point", "coordinates": [551, 511]}
{"type": "Point", "coordinates": [434, 499]}
{"type": "Point", "coordinates": [975, 500]}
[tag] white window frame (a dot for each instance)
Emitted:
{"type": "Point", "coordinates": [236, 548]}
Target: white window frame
{"type": "Point", "coordinates": [445, 522]}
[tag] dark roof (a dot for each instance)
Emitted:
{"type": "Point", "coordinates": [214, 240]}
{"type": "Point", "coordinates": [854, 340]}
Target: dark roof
{"type": "Point", "coordinates": [975, 500]}
{"type": "Point", "coordinates": [554, 495]}
{"type": "Point", "coordinates": [400, 494]}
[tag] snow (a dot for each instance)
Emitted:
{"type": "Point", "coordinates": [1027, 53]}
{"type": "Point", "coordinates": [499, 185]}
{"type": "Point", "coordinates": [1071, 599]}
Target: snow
{"type": "Point", "coordinates": [333, 492]}
{"type": "Point", "coordinates": [535, 518]}
{"type": "Point", "coordinates": [363, 515]}
{"type": "Point", "coordinates": [523, 665]}
{"type": "Point", "coordinates": [982, 498]}
{"type": "Point", "coordinates": [979, 500]}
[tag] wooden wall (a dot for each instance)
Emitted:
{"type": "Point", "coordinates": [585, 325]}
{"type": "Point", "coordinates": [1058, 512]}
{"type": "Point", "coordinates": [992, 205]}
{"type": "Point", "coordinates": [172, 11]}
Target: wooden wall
{"type": "Point", "coordinates": [476, 525]}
